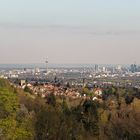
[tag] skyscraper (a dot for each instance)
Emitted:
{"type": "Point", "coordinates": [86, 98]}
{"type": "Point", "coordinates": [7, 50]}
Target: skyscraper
{"type": "Point", "coordinates": [133, 68]}
{"type": "Point", "coordinates": [96, 68]}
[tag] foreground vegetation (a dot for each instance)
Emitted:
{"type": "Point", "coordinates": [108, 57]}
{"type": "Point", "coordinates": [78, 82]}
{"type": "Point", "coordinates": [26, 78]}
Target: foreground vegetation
{"type": "Point", "coordinates": [25, 117]}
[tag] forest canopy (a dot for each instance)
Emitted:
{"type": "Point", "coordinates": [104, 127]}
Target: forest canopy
{"type": "Point", "coordinates": [27, 117]}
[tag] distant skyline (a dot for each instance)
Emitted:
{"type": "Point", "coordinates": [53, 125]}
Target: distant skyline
{"type": "Point", "coordinates": [70, 31]}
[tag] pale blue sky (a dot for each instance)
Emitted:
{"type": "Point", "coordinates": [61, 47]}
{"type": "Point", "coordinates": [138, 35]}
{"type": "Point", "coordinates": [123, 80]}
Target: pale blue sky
{"type": "Point", "coordinates": [70, 31]}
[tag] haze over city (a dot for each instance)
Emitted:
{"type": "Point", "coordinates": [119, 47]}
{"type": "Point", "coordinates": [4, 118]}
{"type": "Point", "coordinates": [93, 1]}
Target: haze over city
{"type": "Point", "coordinates": [91, 31]}
{"type": "Point", "coordinates": [69, 69]}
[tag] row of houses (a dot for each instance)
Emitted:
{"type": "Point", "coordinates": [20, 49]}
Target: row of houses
{"type": "Point", "coordinates": [45, 89]}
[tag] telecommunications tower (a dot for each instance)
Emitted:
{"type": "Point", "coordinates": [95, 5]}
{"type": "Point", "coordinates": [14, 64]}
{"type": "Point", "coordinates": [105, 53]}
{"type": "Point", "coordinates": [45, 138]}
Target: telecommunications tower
{"type": "Point", "coordinates": [46, 65]}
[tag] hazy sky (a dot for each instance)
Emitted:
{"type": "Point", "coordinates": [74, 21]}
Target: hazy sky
{"type": "Point", "coordinates": [70, 31]}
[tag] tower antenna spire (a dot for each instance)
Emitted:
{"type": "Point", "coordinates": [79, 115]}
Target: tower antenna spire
{"type": "Point", "coordinates": [46, 65]}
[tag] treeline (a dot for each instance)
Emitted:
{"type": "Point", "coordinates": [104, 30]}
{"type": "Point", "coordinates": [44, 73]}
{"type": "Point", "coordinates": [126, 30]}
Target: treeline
{"type": "Point", "coordinates": [26, 117]}
{"type": "Point", "coordinates": [15, 120]}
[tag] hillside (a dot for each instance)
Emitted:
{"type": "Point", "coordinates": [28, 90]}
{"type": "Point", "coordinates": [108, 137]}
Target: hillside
{"type": "Point", "coordinates": [14, 118]}
{"type": "Point", "coordinates": [26, 117]}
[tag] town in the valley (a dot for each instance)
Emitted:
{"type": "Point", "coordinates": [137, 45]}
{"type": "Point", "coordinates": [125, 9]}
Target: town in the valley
{"type": "Point", "coordinates": [86, 82]}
